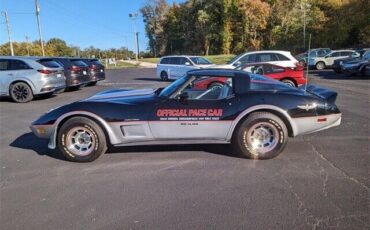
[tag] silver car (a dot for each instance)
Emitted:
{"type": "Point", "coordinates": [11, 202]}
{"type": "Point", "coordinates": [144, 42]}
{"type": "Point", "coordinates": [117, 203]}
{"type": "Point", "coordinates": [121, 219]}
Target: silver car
{"type": "Point", "coordinates": [174, 67]}
{"type": "Point", "coordinates": [22, 78]}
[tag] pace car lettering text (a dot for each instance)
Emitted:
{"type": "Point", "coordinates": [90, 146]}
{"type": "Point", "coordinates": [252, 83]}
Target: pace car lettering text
{"type": "Point", "coordinates": [189, 114]}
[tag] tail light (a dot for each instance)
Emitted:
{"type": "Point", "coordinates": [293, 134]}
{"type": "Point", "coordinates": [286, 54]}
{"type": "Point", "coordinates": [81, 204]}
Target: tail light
{"type": "Point", "coordinates": [46, 71]}
{"type": "Point", "coordinates": [75, 68]}
{"type": "Point", "coordinates": [298, 66]}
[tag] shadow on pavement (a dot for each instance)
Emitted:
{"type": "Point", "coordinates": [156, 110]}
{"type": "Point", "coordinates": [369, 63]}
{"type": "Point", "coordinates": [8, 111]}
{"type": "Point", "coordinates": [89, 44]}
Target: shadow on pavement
{"type": "Point", "coordinates": [329, 74]}
{"type": "Point", "coordinates": [40, 146]}
{"type": "Point", "coordinates": [148, 79]}
{"type": "Point", "coordinates": [30, 142]}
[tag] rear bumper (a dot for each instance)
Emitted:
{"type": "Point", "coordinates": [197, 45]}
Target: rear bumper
{"type": "Point", "coordinates": [306, 125]}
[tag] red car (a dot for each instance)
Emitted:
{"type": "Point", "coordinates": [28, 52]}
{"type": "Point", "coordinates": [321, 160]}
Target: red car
{"type": "Point", "coordinates": [290, 76]}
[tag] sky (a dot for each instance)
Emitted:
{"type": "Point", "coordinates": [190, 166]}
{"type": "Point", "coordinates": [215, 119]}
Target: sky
{"type": "Point", "coordinates": [100, 23]}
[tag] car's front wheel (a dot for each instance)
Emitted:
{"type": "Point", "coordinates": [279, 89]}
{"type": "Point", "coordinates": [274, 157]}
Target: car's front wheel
{"type": "Point", "coordinates": [261, 136]}
{"type": "Point", "coordinates": [20, 92]}
{"type": "Point", "coordinates": [81, 140]}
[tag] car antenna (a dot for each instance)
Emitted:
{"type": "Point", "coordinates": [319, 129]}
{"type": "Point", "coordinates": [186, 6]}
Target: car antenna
{"type": "Point", "coordinates": [308, 67]}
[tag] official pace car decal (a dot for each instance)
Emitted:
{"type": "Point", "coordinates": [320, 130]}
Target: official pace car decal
{"type": "Point", "coordinates": [189, 114]}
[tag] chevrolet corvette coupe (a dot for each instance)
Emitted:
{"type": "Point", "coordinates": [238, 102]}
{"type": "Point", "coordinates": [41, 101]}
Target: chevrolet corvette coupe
{"type": "Point", "coordinates": [254, 114]}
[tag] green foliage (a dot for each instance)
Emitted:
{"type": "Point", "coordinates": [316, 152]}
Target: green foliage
{"type": "Point", "coordinates": [234, 26]}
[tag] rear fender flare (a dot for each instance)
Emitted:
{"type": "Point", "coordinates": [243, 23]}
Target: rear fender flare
{"type": "Point", "coordinates": [256, 108]}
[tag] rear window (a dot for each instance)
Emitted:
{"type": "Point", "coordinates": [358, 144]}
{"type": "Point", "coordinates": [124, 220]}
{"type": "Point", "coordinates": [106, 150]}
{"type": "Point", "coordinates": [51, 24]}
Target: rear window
{"type": "Point", "coordinates": [49, 63]}
{"type": "Point", "coordinates": [4, 65]}
{"type": "Point", "coordinates": [259, 82]}
{"type": "Point", "coordinates": [281, 57]}
{"type": "Point", "coordinates": [79, 63]}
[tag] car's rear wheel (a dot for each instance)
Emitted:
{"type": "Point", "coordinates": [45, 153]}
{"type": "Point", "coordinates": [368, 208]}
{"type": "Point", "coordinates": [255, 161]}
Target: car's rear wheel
{"type": "Point", "coordinates": [20, 92]}
{"type": "Point", "coordinates": [261, 136]}
{"type": "Point", "coordinates": [289, 82]}
{"type": "Point", "coordinates": [164, 76]}
{"type": "Point", "coordinates": [320, 65]}
{"type": "Point", "coordinates": [81, 140]}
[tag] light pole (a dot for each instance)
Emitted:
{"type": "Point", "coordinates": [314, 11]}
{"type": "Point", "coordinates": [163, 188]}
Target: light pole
{"type": "Point", "coordinates": [28, 45]}
{"type": "Point", "coordinates": [39, 26]}
{"type": "Point", "coordinates": [9, 32]}
{"type": "Point", "coordinates": [133, 17]}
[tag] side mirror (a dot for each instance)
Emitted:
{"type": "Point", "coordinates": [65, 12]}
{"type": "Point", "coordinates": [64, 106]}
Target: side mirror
{"type": "Point", "coordinates": [238, 63]}
{"type": "Point", "coordinates": [187, 63]}
{"type": "Point", "coordinates": [184, 96]}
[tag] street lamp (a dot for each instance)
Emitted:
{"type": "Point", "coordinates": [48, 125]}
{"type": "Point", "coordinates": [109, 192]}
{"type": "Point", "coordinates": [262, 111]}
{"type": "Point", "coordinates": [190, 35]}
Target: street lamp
{"type": "Point", "coordinates": [133, 17]}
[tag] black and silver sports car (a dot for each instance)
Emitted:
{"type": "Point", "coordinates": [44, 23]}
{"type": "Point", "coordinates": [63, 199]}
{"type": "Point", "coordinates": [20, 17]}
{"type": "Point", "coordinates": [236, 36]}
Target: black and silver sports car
{"type": "Point", "coordinates": [253, 113]}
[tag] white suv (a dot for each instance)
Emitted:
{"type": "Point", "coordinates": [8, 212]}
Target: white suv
{"type": "Point", "coordinates": [173, 67]}
{"type": "Point", "coordinates": [276, 57]}
{"type": "Point", "coordinates": [328, 60]}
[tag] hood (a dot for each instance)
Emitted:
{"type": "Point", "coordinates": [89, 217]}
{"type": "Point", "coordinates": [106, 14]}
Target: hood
{"type": "Point", "coordinates": [123, 96]}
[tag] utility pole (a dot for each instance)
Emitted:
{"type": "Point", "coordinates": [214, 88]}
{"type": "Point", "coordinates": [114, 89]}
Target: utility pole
{"type": "Point", "coordinates": [28, 45]}
{"type": "Point", "coordinates": [9, 32]}
{"type": "Point", "coordinates": [133, 17]}
{"type": "Point", "coordinates": [39, 26]}
{"type": "Point", "coordinates": [303, 8]}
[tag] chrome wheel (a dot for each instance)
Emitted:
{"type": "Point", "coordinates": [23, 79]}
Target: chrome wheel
{"type": "Point", "coordinates": [80, 141]}
{"type": "Point", "coordinates": [262, 137]}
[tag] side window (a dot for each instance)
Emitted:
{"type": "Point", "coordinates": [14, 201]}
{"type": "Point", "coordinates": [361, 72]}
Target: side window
{"type": "Point", "coordinates": [182, 60]}
{"type": "Point", "coordinates": [164, 61]}
{"type": "Point", "coordinates": [18, 65]}
{"type": "Point", "coordinates": [244, 59]}
{"type": "Point", "coordinates": [174, 61]}
{"type": "Point", "coordinates": [4, 65]}
{"type": "Point", "coordinates": [281, 57]}
{"type": "Point", "coordinates": [209, 88]}
{"type": "Point", "coordinates": [335, 54]}
{"type": "Point", "coordinates": [266, 57]}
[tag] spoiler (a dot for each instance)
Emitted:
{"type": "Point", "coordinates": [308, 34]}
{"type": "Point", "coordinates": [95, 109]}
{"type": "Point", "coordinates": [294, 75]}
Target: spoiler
{"type": "Point", "coordinates": [329, 95]}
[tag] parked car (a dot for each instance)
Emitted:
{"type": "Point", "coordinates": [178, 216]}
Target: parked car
{"type": "Point", "coordinates": [96, 70]}
{"type": "Point", "coordinates": [337, 65]}
{"type": "Point", "coordinates": [22, 78]}
{"type": "Point", "coordinates": [254, 113]}
{"type": "Point", "coordinates": [174, 67]}
{"type": "Point", "coordinates": [75, 70]}
{"type": "Point", "coordinates": [291, 76]}
{"type": "Point", "coordinates": [328, 60]}
{"type": "Point", "coordinates": [318, 52]}
{"type": "Point", "coordinates": [276, 57]}
{"type": "Point", "coordinates": [358, 66]}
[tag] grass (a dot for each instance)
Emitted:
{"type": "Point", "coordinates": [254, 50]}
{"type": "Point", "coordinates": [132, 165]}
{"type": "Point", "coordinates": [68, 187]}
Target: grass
{"type": "Point", "coordinates": [216, 59]}
{"type": "Point", "coordinates": [120, 65]}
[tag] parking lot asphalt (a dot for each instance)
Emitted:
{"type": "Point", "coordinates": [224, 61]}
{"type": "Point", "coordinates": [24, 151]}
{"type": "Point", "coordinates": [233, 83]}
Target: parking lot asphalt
{"type": "Point", "coordinates": [320, 181]}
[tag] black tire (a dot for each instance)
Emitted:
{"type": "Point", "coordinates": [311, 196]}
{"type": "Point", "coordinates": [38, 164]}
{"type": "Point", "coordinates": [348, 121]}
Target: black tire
{"type": "Point", "coordinates": [88, 134]}
{"type": "Point", "coordinates": [21, 92]}
{"type": "Point", "coordinates": [215, 85]}
{"type": "Point", "coordinates": [269, 126]}
{"type": "Point", "coordinates": [92, 83]}
{"type": "Point", "coordinates": [289, 82]}
{"type": "Point", "coordinates": [164, 76]}
{"type": "Point", "coordinates": [320, 65]}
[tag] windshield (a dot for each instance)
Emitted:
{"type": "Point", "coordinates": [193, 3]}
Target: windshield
{"type": "Point", "coordinates": [166, 92]}
{"type": "Point", "coordinates": [234, 59]}
{"type": "Point", "coordinates": [200, 61]}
